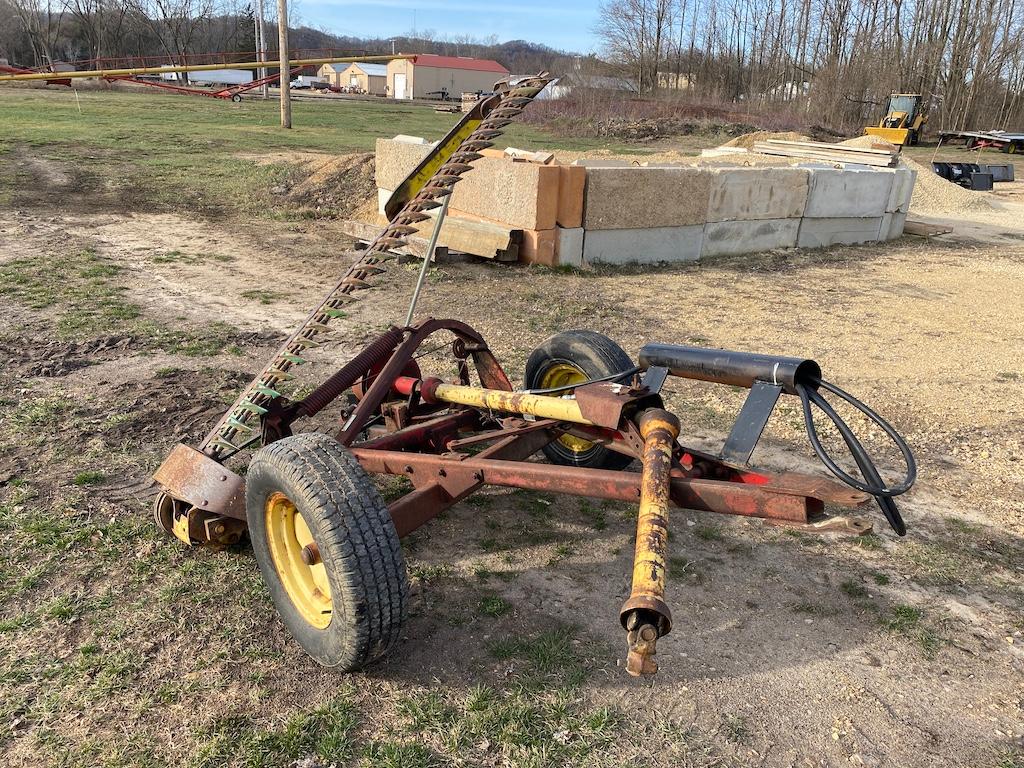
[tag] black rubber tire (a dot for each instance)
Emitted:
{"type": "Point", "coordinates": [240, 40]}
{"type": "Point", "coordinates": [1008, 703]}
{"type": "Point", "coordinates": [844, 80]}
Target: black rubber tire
{"type": "Point", "coordinates": [237, 98]}
{"type": "Point", "coordinates": [597, 356]}
{"type": "Point", "coordinates": [358, 545]}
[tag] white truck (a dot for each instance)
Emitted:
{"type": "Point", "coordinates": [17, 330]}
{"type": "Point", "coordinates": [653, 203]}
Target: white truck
{"type": "Point", "coordinates": [309, 81]}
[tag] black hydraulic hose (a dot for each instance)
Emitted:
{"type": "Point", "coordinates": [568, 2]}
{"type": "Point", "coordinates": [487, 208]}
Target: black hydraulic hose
{"type": "Point", "coordinates": [867, 467]}
{"type": "Point", "coordinates": [577, 385]}
{"type": "Point", "coordinates": [873, 487]}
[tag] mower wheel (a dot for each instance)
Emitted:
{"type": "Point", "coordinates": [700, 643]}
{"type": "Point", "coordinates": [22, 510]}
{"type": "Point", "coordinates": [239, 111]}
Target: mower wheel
{"type": "Point", "coordinates": [328, 550]}
{"type": "Point", "coordinates": [572, 357]}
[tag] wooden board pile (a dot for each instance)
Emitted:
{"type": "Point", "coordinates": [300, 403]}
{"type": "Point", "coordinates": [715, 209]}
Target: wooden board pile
{"type": "Point", "coordinates": [831, 153]}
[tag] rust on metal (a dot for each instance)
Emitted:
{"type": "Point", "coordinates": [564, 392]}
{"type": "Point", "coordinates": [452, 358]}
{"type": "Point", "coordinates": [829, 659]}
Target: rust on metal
{"type": "Point", "coordinates": [602, 403]}
{"type": "Point", "coordinates": [645, 615]}
{"type": "Point", "coordinates": [203, 482]}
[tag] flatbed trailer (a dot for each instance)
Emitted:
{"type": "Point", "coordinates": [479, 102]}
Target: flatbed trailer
{"type": "Point", "coordinates": [1005, 141]}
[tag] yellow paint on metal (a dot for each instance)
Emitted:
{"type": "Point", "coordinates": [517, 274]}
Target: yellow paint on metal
{"type": "Point", "coordinates": [307, 585]}
{"type": "Point", "coordinates": [561, 375]}
{"type": "Point", "coordinates": [897, 136]}
{"type": "Point", "coordinates": [560, 409]}
{"type": "Point", "coordinates": [131, 72]}
{"type": "Point", "coordinates": [408, 189]}
{"type": "Point", "coordinates": [179, 527]}
{"type": "Point", "coordinates": [652, 523]}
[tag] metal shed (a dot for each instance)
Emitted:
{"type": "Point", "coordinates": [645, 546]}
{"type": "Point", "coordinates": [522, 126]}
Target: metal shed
{"type": "Point", "coordinates": [358, 76]}
{"type": "Point", "coordinates": [428, 76]}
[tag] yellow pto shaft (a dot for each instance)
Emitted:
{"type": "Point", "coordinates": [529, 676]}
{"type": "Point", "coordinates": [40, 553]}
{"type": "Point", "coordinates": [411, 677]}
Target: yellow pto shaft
{"type": "Point", "coordinates": [645, 615]}
{"type": "Point", "coordinates": [506, 402]}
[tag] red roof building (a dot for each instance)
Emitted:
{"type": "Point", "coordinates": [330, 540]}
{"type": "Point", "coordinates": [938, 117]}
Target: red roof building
{"type": "Point", "coordinates": [428, 76]}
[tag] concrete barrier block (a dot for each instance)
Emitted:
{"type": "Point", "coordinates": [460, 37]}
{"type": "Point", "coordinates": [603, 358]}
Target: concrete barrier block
{"type": "Point", "coordinates": [522, 195]}
{"type": "Point", "coordinates": [572, 182]}
{"type": "Point", "coordinates": [637, 197]}
{"type": "Point", "coordinates": [821, 232]}
{"type": "Point", "coordinates": [902, 189]}
{"type": "Point", "coordinates": [729, 238]}
{"type": "Point", "coordinates": [743, 194]}
{"type": "Point", "coordinates": [892, 226]}
{"type": "Point", "coordinates": [847, 193]}
{"type": "Point", "coordinates": [569, 246]}
{"type": "Point", "coordinates": [382, 198]}
{"type": "Point", "coordinates": [394, 160]}
{"type": "Point", "coordinates": [539, 247]}
{"type": "Point", "coordinates": [642, 246]}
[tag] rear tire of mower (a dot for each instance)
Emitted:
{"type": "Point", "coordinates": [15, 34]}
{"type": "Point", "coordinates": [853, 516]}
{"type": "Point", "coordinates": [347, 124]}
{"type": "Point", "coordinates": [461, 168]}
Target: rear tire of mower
{"type": "Point", "coordinates": [595, 356]}
{"type": "Point", "coordinates": [357, 542]}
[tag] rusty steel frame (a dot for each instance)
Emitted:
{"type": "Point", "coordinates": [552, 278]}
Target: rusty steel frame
{"type": "Point", "coordinates": [431, 441]}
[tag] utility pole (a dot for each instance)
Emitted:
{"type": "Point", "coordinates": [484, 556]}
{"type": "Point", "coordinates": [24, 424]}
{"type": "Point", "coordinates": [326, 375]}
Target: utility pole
{"type": "Point", "coordinates": [286, 75]}
{"type": "Point", "coordinates": [261, 47]}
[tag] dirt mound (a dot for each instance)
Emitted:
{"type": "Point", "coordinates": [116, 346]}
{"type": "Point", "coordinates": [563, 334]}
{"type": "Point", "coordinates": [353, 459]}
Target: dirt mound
{"type": "Point", "coordinates": [934, 196]}
{"type": "Point", "coordinates": [870, 142]}
{"type": "Point", "coordinates": [334, 187]}
{"type": "Point", "coordinates": [748, 140]}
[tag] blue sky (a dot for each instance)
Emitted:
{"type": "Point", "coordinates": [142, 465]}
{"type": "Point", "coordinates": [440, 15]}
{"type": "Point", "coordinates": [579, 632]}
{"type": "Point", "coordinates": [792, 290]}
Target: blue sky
{"type": "Point", "coordinates": [566, 24]}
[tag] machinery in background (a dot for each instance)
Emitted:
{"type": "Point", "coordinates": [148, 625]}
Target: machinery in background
{"type": "Point", "coordinates": [1005, 141]}
{"type": "Point", "coordinates": [903, 122]}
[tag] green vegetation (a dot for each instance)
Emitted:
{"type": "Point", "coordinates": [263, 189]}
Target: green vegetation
{"type": "Point", "coordinates": [262, 296]}
{"type": "Point", "coordinates": [133, 149]}
{"type": "Point", "coordinates": [854, 588]}
{"type": "Point", "coordinates": [90, 477]}
{"type": "Point", "coordinates": [908, 621]}
{"type": "Point", "coordinates": [492, 605]}
{"type": "Point", "coordinates": [89, 301]}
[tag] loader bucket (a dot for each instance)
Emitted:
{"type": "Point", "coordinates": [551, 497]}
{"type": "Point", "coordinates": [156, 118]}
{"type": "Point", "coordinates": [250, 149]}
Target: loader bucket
{"type": "Point", "coordinates": [897, 136]}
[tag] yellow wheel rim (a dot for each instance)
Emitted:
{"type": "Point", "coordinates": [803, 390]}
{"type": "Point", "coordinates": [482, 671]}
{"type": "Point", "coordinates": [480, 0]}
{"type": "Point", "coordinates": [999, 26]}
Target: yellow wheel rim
{"type": "Point", "coordinates": [562, 375]}
{"type": "Point", "coordinates": [306, 585]}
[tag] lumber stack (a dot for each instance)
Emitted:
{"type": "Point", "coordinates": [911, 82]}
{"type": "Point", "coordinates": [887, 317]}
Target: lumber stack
{"type": "Point", "coordinates": [832, 153]}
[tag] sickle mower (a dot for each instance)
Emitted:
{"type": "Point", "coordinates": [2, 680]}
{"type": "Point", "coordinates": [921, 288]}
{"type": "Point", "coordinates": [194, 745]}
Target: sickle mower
{"type": "Point", "coordinates": [326, 542]}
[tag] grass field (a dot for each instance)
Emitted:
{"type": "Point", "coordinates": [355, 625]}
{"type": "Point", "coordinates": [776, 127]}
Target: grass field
{"type": "Point", "coordinates": [145, 274]}
{"type": "Point", "coordinates": [138, 148]}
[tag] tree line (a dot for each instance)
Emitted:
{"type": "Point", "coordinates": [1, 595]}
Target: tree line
{"type": "Point", "coordinates": [829, 62]}
{"type": "Point", "coordinates": [38, 32]}
{"type": "Point", "coordinates": [820, 62]}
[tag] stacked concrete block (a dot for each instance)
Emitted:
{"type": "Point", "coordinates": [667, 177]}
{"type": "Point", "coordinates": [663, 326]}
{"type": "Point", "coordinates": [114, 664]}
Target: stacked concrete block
{"type": "Point", "coordinates": [753, 194]}
{"type": "Point", "coordinates": [844, 206]}
{"type": "Point", "coordinates": [650, 245]}
{"type": "Point", "coordinates": [572, 182]}
{"type": "Point", "coordinates": [570, 246]}
{"type": "Point", "coordinates": [730, 238]}
{"type": "Point", "coordinates": [617, 212]}
{"type": "Point", "coordinates": [842, 230]}
{"type": "Point", "coordinates": [848, 194]}
{"type": "Point", "coordinates": [895, 216]}
{"type": "Point", "coordinates": [522, 195]}
{"type": "Point", "coordinates": [646, 197]}
{"type": "Point", "coordinates": [395, 159]}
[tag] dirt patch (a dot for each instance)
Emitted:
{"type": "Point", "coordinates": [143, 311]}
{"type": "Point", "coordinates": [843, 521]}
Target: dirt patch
{"type": "Point", "coordinates": [325, 186]}
{"type": "Point", "coordinates": [870, 142]}
{"type": "Point", "coordinates": [748, 140]}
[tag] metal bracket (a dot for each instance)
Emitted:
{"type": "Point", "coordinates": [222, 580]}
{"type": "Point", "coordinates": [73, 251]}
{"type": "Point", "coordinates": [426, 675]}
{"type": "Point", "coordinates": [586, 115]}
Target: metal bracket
{"type": "Point", "coordinates": [750, 423]}
{"type": "Point", "coordinates": [654, 379]}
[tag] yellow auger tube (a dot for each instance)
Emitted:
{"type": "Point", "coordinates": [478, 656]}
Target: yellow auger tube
{"type": "Point", "coordinates": [193, 68]}
{"type": "Point", "coordinates": [645, 615]}
{"type": "Point", "coordinates": [510, 402]}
